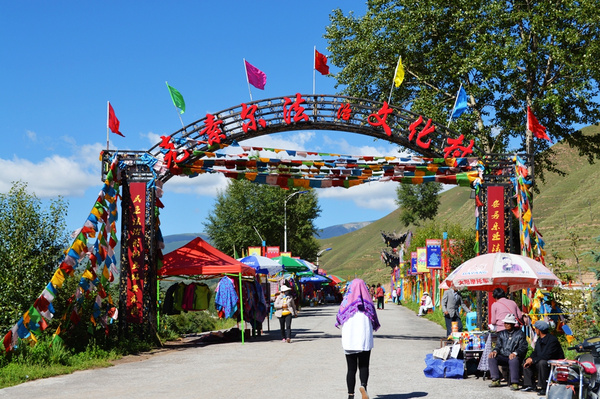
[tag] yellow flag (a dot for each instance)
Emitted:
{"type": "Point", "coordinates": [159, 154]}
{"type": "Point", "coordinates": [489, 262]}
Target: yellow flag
{"type": "Point", "coordinates": [399, 77]}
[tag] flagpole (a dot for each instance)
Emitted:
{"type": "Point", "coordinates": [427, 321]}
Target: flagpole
{"type": "Point", "coordinates": [107, 117]}
{"type": "Point", "coordinates": [314, 66]}
{"type": "Point", "coordinates": [247, 80]}
{"type": "Point", "coordinates": [455, 101]}
{"type": "Point", "coordinates": [176, 110]}
{"type": "Point", "coordinates": [393, 78]}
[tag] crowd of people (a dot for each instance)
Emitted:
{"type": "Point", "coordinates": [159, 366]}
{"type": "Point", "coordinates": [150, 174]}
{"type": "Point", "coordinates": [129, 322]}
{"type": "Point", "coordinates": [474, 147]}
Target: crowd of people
{"type": "Point", "coordinates": [525, 373]}
{"type": "Point", "coordinates": [357, 319]}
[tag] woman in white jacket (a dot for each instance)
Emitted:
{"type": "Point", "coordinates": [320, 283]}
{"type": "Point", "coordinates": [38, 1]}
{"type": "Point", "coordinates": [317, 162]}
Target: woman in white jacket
{"type": "Point", "coordinates": [358, 319]}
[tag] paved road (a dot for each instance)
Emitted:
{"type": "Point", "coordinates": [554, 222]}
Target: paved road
{"type": "Point", "coordinates": [311, 366]}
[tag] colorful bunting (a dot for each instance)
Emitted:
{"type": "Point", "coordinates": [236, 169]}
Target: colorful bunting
{"type": "Point", "coordinates": [35, 317]}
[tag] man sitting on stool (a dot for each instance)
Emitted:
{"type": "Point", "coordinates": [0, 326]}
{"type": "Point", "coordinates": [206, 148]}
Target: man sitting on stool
{"type": "Point", "coordinates": [546, 348]}
{"type": "Point", "coordinates": [426, 304]}
{"type": "Point", "coordinates": [511, 348]}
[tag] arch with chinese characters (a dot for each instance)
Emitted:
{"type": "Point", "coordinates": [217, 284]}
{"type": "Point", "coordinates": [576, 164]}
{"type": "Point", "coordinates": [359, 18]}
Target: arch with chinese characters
{"type": "Point", "coordinates": [312, 112]}
{"type": "Point", "coordinates": [177, 154]}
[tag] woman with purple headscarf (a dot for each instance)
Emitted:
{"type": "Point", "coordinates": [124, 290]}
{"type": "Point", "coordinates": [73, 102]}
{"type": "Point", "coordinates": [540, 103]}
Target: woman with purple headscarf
{"type": "Point", "coordinates": [358, 319]}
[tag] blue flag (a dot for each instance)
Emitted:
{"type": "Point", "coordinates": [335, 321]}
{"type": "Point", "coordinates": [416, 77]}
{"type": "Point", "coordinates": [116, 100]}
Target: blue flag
{"type": "Point", "coordinates": [460, 105]}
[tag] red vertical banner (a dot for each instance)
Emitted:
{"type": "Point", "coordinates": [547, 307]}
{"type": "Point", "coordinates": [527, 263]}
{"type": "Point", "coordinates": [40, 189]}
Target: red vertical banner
{"type": "Point", "coordinates": [135, 252]}
{"type": "Point", "coordinates": [495, 218]}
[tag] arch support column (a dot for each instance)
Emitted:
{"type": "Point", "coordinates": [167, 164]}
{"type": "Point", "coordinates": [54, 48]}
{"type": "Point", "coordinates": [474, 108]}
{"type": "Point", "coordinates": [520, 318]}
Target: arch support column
{"type": "Point", "coordinates": [138, 281]}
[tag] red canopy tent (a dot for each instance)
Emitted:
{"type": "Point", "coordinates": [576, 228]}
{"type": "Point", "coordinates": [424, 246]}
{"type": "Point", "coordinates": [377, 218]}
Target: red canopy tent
{"type": "Point", "coordinates": [199, 258]}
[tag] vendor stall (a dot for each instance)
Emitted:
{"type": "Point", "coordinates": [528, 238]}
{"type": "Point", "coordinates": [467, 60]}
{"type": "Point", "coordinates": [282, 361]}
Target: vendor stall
{"type": "Point", "coordinates": [199, 260]}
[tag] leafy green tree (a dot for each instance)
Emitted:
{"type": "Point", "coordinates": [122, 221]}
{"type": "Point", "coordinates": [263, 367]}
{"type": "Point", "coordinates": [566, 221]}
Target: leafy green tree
{"type": "Point", "coordinates": [245, 206]}
{"type": "Point", "coordinates": [32, 239]}
{"type": "Point", "coordinates": [508, 55]}
{"type": "Point", "coordinates": [418, 202]}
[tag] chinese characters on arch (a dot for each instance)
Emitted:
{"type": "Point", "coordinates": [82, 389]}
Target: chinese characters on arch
{"type": "Point", "coordinates": [293, 111]}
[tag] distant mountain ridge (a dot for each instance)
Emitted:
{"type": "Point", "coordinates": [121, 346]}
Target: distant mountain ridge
{"type": "Point", "coordinates": [174, 241]}
{"type": "Point", "coordinates": [340, 229]}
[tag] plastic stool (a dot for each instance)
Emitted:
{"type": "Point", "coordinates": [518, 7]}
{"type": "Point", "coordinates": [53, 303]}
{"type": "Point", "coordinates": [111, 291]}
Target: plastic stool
{"type": "Point", "coordinates": [471, 321]}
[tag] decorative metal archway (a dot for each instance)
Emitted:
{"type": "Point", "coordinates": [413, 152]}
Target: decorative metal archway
{"type": "Point", "coordinates": [183, 152]}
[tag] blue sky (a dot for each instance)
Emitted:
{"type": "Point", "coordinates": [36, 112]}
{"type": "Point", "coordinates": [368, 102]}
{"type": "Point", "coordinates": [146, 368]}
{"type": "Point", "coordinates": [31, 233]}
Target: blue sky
{"type": "Point", "coordinates": [62, 61]}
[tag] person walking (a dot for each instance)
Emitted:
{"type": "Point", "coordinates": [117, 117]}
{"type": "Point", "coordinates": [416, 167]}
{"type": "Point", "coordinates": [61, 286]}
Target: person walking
{"type": "Point", "coordinates": [546, 348]}
{"type": "Point", "coordinates": [380, 294]}
{"type": "Point", "coordinates": [511, 348]}
{"type": "Point", "coordinates": [285, 309]}
{"type": "Point", "coordinates": [357, 318]}
{"type": "Point", "coordinates": [451, 304]}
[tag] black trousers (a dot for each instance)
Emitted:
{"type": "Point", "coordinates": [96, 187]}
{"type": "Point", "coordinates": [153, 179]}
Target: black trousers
{"type": "Point", "coordinates": [379, 302]}
{"type": "Point", "coordinates": [285, 322]}
{"type": "Point", "coordinates": [358, 361]}
{"type": "Point", "coordinates": [541, 369]}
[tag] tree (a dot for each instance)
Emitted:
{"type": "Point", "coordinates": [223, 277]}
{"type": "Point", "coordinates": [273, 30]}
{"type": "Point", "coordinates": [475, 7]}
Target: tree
{"type": "Point", "coordinates": [508, 55]}
{"type": "Point", "coordinates": [418, 202]}
{"type": "Point", "coordinates": [244, 206]}
{"type": "Point", "coordinates": [32, 239]}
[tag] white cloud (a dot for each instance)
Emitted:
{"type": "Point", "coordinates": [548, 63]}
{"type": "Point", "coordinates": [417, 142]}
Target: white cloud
{"type": "Point", "coordinates": [379, 196]}
{"type": "Point", "coordinates": [31, 135]}
{"type": "Point", "coordinates": [342, 146]}
{"type": "Point", "coordinates": [203, 185]}
{"type": "Point", "coordinates": [288, 141]}
{"type": "Point", "coordinates": [55, 175]}
{"type": "Point", "coordinates": [153, 138]}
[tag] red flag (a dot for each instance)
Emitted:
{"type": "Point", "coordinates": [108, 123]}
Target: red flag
{"type": "Point", "coordinates": [113, 122]}
{"type": "Point", "coordinates": [534, 126]}
{"type": "Point", "coordinates": [321, 63]}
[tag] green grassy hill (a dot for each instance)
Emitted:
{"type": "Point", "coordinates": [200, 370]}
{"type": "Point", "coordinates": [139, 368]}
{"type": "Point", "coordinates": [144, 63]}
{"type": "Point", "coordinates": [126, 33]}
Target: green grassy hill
{"type": "Point", "coordinates": [564, 206]}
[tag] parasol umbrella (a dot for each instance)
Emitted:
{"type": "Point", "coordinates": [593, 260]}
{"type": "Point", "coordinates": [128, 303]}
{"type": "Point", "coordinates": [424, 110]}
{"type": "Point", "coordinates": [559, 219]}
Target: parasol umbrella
{"type": "Point", "coordinates": [291, 265]}
{"type": "Point", "coordinates": [317, 278]}
{"type": "Point", "coordinates": [499, 269]}
{"type": "Point", "coordinates": [306, 273]}
{"type": "Point", "coordinates": [308, 264]}
{"type": "Point", "coordinates": [336, 279]}
{"type": "Point", "coordinates": [262, 264]}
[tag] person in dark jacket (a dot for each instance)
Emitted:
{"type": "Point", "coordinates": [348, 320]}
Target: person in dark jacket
{"type": "Point", "coordinates": [546, 348]}
{"type": "Point", "coordinates": [511, 348]}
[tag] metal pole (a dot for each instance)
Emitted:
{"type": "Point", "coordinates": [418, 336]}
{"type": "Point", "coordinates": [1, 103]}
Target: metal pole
{"type": "Point", "coordinates": [285, 225]}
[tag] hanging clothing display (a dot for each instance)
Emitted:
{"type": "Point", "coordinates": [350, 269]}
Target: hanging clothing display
{"type": "Point", "coordinates": [226, 298]}
{"type": "Point", "coordinates": [186, 297]}
{"type": "Point", "coordinates": [201, 296]}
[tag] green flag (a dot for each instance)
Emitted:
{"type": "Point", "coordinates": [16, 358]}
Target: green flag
{"type": "Point", "coordinates": [177, 98]}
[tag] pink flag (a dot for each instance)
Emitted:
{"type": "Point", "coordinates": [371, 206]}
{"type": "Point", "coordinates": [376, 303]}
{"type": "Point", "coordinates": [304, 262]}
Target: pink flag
{"type": "Point", "coordinates": [256, 77]}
